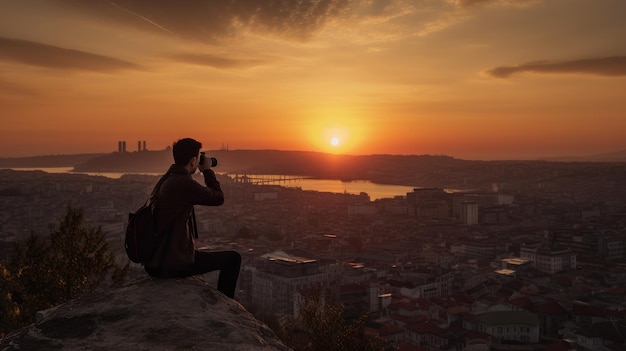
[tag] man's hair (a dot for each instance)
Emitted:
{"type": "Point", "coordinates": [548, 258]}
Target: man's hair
{"type": "Point", "coordinates": [184, 150]}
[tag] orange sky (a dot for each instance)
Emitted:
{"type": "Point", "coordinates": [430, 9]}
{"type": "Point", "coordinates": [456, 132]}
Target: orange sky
{"type": "Point", "coordinates": [474, 79]}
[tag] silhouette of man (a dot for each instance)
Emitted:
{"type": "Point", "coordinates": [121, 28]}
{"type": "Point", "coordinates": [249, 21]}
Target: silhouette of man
{"type": "Point", "coordinates": [176, 256]}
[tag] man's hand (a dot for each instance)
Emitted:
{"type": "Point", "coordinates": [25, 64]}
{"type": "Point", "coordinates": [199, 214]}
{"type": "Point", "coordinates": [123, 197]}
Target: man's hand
{"type": "Point", "coordinates": [206, 165]}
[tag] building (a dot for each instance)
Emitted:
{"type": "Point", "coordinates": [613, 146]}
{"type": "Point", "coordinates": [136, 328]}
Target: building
{"type": "Point", "coordinates": [507, 326]}
{"type": "Point", "coordinates": [121, 146]}
{"type": "Point", "coordinates": [549, 260]}
{"type": "Point", "coordinates": [272, 281]}
{"type": "Point", "coordinates": [602, 336]}
{"type": "Point", "coordinates": [611, 247]}
{"type": "Point", "coordinates": [469, 213]}
{"type": "Point", "coordinates": [550, 313]}
{"type": "Point", "coordinates": [494, 215]}
{"type": "Point", "coordinates": [429, 203]}
{"type": "Point", "coordinates": [478, 249]}
{"type": "Point", "coordinates": [516, 264]}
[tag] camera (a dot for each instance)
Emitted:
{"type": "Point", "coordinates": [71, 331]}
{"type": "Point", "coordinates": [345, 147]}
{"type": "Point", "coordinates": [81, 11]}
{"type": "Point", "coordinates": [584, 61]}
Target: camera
{"type": "Point", "coordinates": [203, 158]}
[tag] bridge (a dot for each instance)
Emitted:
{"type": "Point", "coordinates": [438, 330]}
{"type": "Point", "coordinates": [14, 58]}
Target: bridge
{"type": "Point", "coordinates": [259, 179]}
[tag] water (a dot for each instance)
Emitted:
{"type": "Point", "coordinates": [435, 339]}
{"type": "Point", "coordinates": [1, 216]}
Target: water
{"type": "Point", "coordinates": [45, 169]}
{"type": "Point", "coordinates": [375, 191]}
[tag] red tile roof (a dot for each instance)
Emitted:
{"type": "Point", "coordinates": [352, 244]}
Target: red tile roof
{"type": "Point", "coordinates": [588, 310]}
{"type": "Point", "coordinates": [426, 328]}
{"type": "Point", "coordinates": [405, 346]}
{"type": "Point", "coordinates": [401, 305]}
{"type": "Point", "coordinates": [538, 304]}
{"type": "Point", "coordinates": [387, 330]}
{"type": "Point", "coordinates": [559, 346]}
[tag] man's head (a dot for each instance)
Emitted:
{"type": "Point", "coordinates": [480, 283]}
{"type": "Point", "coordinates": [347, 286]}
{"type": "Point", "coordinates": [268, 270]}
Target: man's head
{"type": "Point", "coordinates": [185, 150]}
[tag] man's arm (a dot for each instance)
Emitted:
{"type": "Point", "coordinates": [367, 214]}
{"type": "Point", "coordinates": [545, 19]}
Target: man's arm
{"type": "Point", "coordinates": [209, 195]}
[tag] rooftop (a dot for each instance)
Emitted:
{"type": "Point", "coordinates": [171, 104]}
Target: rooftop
{"type": "Point", "coordinates": [507, 318]}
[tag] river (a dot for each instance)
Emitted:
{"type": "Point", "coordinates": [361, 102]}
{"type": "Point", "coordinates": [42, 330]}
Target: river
{"type": "Point", "coordinates": [375, 191]}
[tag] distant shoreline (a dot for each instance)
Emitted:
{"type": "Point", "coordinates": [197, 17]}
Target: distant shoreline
{"type": "Point", "coordinates": [66, 160]}
{"type": "Point", "coordinates": [46, 161]}
{"type": "Point", "coordinates": [374, 190]}
{"type": "Point", "coordinates": [412, 171]}
{"type": "Point", "coordinates": [70, 170]}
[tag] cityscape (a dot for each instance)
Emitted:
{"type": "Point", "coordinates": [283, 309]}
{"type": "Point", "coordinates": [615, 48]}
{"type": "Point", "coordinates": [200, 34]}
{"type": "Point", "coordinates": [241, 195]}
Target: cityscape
{"type": "Point", "coordinates": [526, 269]}
{"type": "Point", "coordinates": [447, 174]}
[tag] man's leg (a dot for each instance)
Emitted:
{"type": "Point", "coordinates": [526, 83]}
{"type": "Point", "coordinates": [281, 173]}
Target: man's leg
{"type": "Point", "coordinates": [227, 262]}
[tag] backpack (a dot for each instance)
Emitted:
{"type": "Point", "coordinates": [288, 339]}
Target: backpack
{"type": "Point", "coordinates": [142, 240]}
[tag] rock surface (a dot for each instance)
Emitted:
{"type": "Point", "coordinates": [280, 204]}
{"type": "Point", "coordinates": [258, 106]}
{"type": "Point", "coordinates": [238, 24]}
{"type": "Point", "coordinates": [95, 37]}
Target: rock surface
{"type": "Point", "coordinates": [148, 314]}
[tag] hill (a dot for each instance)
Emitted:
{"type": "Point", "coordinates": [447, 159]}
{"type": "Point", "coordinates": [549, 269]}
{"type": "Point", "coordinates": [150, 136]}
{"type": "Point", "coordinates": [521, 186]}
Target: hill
{"type": "Point", "coordinates": [619, 156]}
{"type": "Point", "coordinates": [389, 169]}
{"type": "Point", "coordinates": [46, 161]}
{"type": "Point", "coordinates": [408, 170]}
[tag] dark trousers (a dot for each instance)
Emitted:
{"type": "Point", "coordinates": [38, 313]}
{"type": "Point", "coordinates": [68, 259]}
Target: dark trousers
{"type": "Point", "coordinates": [227, 262]}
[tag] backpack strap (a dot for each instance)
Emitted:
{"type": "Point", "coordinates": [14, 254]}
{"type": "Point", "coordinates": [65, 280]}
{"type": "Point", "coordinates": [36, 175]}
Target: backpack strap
{"type": "Point", "coordinates": [194, 224]}
{"type": "Point", "coordinates": [151, 201]}
{"type": "Point", "coordinates": [156, 188]}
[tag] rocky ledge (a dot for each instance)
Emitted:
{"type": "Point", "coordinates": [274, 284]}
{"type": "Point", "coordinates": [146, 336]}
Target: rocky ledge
{"type": "Point", "coordinates": [148, 314]}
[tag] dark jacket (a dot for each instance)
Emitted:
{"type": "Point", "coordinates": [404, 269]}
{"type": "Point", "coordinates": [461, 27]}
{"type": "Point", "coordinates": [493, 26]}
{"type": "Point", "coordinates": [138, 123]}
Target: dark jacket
{"type": "Point", "coordinates": [175, 219]}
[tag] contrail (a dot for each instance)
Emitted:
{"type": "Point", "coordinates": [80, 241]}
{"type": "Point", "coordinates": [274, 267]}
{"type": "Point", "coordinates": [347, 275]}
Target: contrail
{"type": "Point", "coordinates": [140, 17]}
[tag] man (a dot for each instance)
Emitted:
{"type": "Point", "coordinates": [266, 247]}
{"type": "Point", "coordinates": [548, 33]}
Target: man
{"type": "Point", "coordinates": [176, 256]}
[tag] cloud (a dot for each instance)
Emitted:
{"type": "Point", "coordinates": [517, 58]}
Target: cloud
{"type": "Point", "coordinates": [211, 21]}
{"type": "Point", "coordinates": [218, 22]}
{"type": "Point", "coordinates": [470, 3]}
{"type": "Point", "coordinates": [10, 88]}
{"type": "Point", "coordinates": [477, 3]}
{"type": "Point", "coordinates": [443, 14]}
{"type": "Point", "coordinates": [217, 61]}
{"type": "Point", "coordinates": [606, 66]}
{"type": "Point", "coordinates": [42, 55]}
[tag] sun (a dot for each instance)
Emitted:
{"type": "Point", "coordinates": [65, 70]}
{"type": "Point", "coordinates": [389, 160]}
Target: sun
{"type": "Point", "coordinates": [334, 131]}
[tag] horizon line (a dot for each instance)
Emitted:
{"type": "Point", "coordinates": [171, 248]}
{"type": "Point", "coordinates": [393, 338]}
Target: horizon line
{"type": "Point", "coordinates": [579, 158]}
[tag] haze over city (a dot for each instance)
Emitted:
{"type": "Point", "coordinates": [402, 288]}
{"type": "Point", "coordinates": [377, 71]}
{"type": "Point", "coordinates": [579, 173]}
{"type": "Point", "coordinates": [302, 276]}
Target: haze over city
{"type": "Point", "coordinates": [473, 79]}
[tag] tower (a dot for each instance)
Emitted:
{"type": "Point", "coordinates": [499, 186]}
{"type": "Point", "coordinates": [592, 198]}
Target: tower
{"type": "Point", "coordinates": [469, 213]}
{"type": "Point", "coordinates": [121, 146]}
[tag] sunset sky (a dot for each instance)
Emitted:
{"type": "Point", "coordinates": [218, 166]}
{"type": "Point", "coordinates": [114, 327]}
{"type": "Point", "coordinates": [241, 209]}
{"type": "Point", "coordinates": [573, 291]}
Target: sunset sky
{"type": "Point", "coordinates": [473, 79]}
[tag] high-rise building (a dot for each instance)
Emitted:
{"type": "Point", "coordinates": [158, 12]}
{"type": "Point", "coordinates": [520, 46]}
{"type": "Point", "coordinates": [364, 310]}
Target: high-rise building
{"type": "Point", "coordinates": [469, 213]}
{"type": "Point", "coordinates": [141, 146]}
{"type": "Point", "coordinates": [121, 146]}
